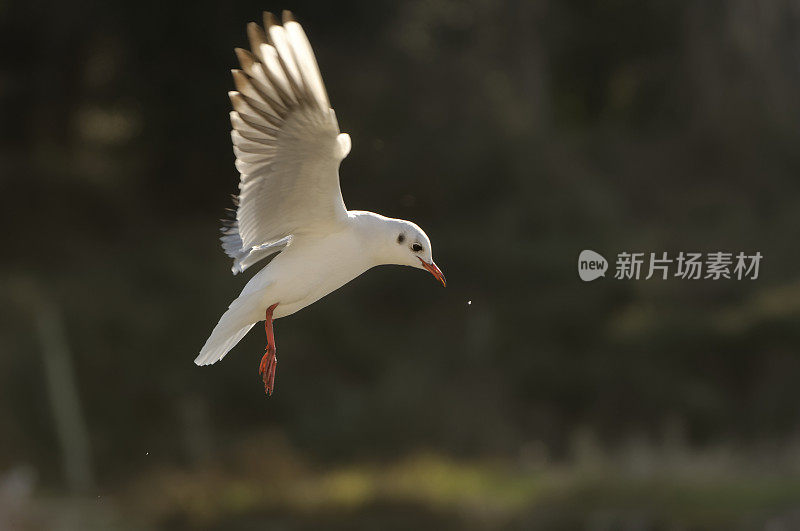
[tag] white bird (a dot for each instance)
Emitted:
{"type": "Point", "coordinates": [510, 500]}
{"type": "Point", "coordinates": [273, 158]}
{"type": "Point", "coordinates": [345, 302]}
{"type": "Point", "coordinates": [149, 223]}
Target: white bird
{"type": "Point", "coordinates": [288, 149]}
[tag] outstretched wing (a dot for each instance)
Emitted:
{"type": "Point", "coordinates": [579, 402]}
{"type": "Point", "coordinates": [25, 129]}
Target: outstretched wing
{"type": "Point", "coordinates": [287, 145]}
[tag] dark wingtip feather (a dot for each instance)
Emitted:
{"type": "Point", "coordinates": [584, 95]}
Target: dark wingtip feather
{"type": "Point", "coordinates": [256, 36]}
{"type": "Point", "coordinates": [269, 20]}
{"type": "Point", "coordinates": [253, 27]}
{"type": "Point", "coordinates": [239, 80]}
{"type": "Point", "coordinates": [244, 57]}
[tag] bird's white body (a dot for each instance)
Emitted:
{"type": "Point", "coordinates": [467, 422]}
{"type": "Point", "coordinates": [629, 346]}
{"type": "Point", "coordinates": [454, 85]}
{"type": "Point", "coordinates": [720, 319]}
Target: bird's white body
{"type": "Point", "coordinates": [313, 266]}
{"type": "Point", "coordinates": [288, 149]}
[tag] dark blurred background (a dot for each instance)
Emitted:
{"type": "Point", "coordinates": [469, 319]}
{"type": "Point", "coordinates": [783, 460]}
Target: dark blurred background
{"type": "Point", "coordinates": [517, 134]}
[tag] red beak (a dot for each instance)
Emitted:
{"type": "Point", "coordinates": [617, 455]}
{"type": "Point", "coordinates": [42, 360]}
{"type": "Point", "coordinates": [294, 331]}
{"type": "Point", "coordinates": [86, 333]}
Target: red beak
{"type": "Point", "coordinates": [435, 271]}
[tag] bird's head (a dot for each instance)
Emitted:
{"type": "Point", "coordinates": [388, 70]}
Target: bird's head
{"type": "Point", "coordinates": [404, 243]}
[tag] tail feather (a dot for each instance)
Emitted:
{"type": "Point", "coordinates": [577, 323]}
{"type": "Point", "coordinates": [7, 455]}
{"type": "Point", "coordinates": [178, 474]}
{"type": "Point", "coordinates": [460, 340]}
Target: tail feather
{"type": "Point", "coordinates": [240, 317]}
{"type": "Point", "coordinates": [220, 344]}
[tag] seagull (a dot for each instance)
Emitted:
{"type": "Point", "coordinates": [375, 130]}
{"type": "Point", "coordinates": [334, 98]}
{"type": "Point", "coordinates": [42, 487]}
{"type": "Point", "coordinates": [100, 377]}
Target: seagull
{"type": "Point", "coordinates": [290, 209]}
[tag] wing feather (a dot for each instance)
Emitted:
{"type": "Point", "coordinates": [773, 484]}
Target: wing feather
{"type": "Point", "coordinates": [306, 62]}
{"type": "Point", "coordinates": [287, 145]}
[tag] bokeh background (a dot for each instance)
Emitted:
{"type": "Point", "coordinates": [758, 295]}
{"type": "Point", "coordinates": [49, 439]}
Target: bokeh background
{"type": "Point", "coordinates": [517, 134]}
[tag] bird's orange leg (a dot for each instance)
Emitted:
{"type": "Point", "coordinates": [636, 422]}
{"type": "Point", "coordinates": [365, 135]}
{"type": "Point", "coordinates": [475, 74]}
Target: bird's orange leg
{"type": "Point", "coordinates": [269, 363]}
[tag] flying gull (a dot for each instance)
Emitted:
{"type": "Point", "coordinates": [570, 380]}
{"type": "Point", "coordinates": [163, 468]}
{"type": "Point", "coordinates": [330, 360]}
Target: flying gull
{"type": "Point", "coordinates": [288, 149]}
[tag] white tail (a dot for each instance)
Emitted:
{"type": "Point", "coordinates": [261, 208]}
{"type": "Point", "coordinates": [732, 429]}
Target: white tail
{"type": "Point", "coordinates": [240, 317]}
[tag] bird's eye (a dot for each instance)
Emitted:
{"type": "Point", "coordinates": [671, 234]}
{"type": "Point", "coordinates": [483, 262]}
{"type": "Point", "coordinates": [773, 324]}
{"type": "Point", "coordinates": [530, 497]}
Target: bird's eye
{"type": "Point", "coordinates": [416, 247]}
{"type": "Point", "coordinates": [401, 238]}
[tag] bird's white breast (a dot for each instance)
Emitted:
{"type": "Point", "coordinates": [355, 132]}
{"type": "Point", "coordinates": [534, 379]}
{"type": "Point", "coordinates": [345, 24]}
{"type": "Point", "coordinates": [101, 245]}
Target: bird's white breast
{"type": "Point", "coordinates": [310, 268]}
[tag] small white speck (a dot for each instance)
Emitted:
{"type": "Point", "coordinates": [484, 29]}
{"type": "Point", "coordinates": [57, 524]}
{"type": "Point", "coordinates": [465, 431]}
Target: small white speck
{"type": "Point", "coordinates": [469, 303]}
{"type": "Point", "coordinates": [147, 453]}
